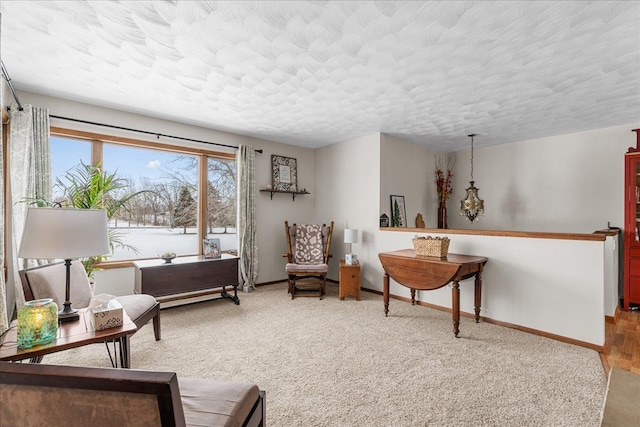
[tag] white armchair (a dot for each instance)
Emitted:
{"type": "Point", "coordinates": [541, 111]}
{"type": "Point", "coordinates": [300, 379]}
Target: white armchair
{"type": "Point", "coordinates": [48, 281]}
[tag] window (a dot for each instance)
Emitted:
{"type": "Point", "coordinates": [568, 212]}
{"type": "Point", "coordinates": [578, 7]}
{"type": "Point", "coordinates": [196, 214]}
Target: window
{"type": "Point", "coordinates": [66, 154]}
{"type": "Point", "coordinates": [221, 202]}
{"type": "Point", "coordinates": [163, 216]}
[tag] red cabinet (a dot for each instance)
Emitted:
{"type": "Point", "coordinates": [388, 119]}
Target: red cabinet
{"type": "Point", "coordinates": [632, 225]}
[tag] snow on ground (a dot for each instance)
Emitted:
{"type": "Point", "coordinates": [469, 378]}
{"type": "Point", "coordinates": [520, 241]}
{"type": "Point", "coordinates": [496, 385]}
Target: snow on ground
{"type": "Point", "coordinates": [154, 241]}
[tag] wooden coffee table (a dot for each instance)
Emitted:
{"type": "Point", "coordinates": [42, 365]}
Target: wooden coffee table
{"type": "Point", "coordinates": [71, 335]}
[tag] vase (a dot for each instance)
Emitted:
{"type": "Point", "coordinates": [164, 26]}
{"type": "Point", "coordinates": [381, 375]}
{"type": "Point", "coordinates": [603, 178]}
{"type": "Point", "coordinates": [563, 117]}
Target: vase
{"type": "Point", "coordinates": [442, 215]}
{"type": "Point", "coordinates": [37, 323]}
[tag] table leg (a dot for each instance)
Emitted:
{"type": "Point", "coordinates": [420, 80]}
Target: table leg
{"type": "Point", "coordinates": [455, 306]}
{"type": "Point", "coordinates": [234, 298]}
{"type": "Point", "coordinates": [478, 294]}
{"type": "Point", "coordinates": [125, 351]}
{"type": "Point", "coordinates": [385, 293]}
{"type": "Point", "coordinates": [413, 296]}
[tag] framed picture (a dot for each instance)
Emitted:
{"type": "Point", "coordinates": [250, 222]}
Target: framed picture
{"type": "Point", "coordinates": [284, 173]}
{"type": "Point", "coordinates": [398, 212]}
{"type": "Point", "coordinates": [211, 248]}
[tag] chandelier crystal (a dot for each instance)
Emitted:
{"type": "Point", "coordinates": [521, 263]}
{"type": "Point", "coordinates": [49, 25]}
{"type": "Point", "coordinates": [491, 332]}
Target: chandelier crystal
{"type": "Point", "coordinates": [472, 205]}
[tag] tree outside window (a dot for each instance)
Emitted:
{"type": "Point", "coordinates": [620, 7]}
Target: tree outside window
{"type": "Point", "coordinates": [164, 217]}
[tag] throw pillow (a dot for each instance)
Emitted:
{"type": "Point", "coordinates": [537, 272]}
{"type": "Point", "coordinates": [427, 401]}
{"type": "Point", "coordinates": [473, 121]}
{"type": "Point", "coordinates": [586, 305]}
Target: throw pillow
{"type": "Point", "coordinates": [309, 249]}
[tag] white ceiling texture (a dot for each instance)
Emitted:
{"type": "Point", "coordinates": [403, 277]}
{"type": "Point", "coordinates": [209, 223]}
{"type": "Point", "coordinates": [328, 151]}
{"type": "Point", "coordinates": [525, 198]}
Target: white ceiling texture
{"type": "Point", "coordinates": [312, 73]}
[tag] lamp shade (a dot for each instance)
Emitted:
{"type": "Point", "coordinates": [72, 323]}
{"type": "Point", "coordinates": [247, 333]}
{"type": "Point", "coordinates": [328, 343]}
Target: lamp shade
{"type": "Point", "coordinates": [63, 233]}
{"type": "Point", "coordinates": [350, 235]}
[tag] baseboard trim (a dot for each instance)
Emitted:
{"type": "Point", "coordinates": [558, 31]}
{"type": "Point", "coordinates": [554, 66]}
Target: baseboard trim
{"type": "Point", "coordinates": [561, 338]}
{"type": "Point", "coordinates": [613, 319]}
{"type": "Point", "coordinates": [285, 280]}
{"type": "Point", "coordinates": [273, 282]}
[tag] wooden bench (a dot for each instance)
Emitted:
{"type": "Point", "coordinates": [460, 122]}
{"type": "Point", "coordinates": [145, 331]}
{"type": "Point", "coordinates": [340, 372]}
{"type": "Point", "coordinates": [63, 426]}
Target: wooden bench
{"type": "Point", "coordinates": [34, 394]}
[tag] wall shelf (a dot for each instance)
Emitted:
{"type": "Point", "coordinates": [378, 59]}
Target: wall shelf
{"type": "Point", "coordinates": [293, 193]}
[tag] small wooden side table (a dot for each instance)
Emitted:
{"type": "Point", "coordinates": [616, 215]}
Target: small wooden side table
{"type": "Point", "coordinates": [72, 335]}
{"type": "Point", "coordinates": [349, 280]}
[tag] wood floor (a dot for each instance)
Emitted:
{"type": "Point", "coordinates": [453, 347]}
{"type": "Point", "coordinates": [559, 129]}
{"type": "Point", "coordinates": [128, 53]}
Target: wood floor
{"type": "Point", "coordinates": [622, 346]}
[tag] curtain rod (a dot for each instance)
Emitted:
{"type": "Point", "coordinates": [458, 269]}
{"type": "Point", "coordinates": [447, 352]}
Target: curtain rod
{"type": "Point", "coordinates": [13, 91]}
{"type": "Point", "coordinates": [158, 135]}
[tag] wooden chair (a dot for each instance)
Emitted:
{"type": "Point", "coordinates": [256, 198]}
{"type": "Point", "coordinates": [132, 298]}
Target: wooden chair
{"type": "Point", "coordinates": [308, 256]}
{"type": "Point", "coordinates": [52, 395]}
{"type": "Point", "coordinates": [48, 281]}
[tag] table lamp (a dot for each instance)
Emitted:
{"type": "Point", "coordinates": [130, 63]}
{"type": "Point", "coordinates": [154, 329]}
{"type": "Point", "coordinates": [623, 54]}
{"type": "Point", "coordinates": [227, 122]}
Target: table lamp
{"type": "Point", "coordinates": [64, 233]}
{"type": "Point", "coordinates": [350, 236]}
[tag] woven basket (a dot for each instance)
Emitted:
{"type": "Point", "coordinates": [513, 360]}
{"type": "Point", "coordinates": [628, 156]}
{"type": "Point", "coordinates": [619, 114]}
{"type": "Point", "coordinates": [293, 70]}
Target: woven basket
{"type": "Point", "coordinates": [431, 246]}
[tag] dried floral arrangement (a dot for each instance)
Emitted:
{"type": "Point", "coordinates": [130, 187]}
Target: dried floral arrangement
{"type": "Point", "coordinates": [444, 167]}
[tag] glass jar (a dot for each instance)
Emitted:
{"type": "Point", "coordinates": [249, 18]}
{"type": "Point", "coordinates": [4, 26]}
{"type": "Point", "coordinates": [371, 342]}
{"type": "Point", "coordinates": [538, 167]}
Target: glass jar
{"type": "Point", "coordinates": [37, 323]}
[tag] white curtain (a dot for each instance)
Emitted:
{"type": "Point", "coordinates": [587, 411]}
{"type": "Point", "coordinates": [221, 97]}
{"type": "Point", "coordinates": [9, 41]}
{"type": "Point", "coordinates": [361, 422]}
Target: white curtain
{"type": "Point", "coordinates": [29, 176]}
{"type": "Point", "coordinates": [248, 246]}
{"type": "Point", "coordinates": [4, 319]}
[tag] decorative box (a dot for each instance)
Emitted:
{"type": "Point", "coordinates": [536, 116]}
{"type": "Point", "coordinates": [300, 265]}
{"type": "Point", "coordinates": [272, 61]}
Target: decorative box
{"type": "Point", "coordinates": [105, 316]}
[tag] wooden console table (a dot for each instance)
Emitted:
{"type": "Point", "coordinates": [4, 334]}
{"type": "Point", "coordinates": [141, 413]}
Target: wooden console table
{"type": "Point", "coordinates": [428, 273]}
{"type": "Point", "coordinates": [187, 277]}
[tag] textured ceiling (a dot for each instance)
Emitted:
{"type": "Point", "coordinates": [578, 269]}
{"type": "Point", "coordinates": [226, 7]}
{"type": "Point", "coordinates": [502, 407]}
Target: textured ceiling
{"type": "Point", "coordinates": [312, 73]}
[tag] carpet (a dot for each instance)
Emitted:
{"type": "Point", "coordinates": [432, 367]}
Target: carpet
{"type": "Point", "coordinates": [342, 363]}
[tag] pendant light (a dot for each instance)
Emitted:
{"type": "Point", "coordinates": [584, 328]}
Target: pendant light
{"type": "Point", "coordinates": [472, 205]}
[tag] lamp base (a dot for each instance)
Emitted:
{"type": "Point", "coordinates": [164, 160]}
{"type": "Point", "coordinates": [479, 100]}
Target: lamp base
{"type": "Point", "coordinates": [68, 314]}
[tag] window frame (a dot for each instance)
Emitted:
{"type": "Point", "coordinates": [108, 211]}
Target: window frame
{"type": "Point", "coordinates": [98, 139]}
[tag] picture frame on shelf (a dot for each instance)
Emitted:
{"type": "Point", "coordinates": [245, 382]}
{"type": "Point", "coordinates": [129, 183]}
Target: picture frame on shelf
{"type": "Point", "coordinates": [284, 173]}
{"type": "Point", "coordinates": [398, 211]}
{"type": "Point", "coordinates": [211, 248]}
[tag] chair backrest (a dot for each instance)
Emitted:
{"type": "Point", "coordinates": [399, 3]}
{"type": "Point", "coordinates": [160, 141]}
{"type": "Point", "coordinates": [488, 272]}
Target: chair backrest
{"type": "Point", "coordinates": [49, 281]}
{"type": "Point", "coordinates": [308, 243]}
{"type": "Point", "coordinates": [35, 394]}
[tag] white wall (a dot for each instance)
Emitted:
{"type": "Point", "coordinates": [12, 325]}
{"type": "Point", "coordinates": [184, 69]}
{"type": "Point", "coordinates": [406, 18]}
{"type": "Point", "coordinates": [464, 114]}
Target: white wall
{"type": "Point", "coordinates": [347, 183]}
{"type": "Point", "coordinates": [550, 285]}
{"type": "Point", "coordinates": [565, 183]}
{"type": "Point", "coordinates": [611, 275]}
{"type": "Point", "coordinates": [568, 183]}
{"type": "Point", "coordinates": [5, 93]}
{"type": "Point", "coordinates": [408, 170]}
{"type": "Point", "coordinates": [528, 282]}
{"type": "Point", "coordinates": [271, 213]}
